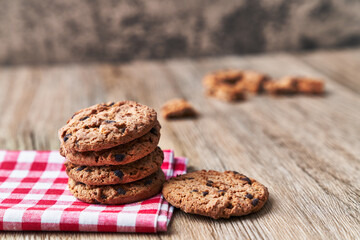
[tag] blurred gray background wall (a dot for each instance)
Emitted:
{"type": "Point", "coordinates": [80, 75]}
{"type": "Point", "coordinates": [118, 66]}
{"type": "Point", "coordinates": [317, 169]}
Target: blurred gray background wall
{"type": "Point", "coordinates": [50, 31]}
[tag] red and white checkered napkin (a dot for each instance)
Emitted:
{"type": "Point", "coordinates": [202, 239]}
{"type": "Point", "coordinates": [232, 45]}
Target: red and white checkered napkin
{"type": "Point", "coordinates": [34, 197]}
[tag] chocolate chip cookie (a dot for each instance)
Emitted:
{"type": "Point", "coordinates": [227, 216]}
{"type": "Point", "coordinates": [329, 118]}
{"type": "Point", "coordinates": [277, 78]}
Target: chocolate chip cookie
{"type": "Point", "coordinates": [106, 175]}
{"type": "Point", "coordinates": [119, 155]}
{"type": "Point", "coordinates": [215, 194]}
{"type": "Point", "coordinates": [118, 194]}
{"type": "Point", "coordinates": [104, 126]}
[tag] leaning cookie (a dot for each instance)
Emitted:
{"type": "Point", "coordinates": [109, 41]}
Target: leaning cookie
{"type": "Point", "coordinates": [104, 126]}
{"type": "Point", "coordinates": [118, 194]}
{"type": "Point", "coordinates": [107, 175]}
{"type": "Point", "coordinates": [215, 194]}
{"type": "Point", "coordinates": [119, 155]}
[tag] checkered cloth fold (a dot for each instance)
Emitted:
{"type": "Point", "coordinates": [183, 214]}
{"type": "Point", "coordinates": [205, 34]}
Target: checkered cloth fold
{"type": "Point", "coordinates": [34, 197]}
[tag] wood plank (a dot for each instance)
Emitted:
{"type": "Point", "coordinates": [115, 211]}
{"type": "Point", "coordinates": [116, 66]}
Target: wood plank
{"type": "Point", "coordinates": [305, 149]}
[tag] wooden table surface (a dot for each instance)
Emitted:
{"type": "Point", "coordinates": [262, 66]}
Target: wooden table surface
{"type": "Point", "coordinates": [304, 149]}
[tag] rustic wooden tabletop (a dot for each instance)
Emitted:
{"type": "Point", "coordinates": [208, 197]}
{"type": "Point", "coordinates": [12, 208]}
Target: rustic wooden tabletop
{"type": "Point", "coordinates": [305, 149]}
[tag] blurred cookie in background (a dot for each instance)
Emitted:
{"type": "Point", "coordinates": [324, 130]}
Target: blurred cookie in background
{"type": "Point", "coordinates": [178, 108]}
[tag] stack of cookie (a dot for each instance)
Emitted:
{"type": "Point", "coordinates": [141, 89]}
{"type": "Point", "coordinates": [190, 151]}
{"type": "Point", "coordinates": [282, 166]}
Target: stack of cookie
{"type": "Point", "coordinates": [111, 153]}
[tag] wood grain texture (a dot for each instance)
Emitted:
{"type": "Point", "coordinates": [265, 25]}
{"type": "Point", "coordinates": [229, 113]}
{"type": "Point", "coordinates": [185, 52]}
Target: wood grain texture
{"type": "Point", "coordinates": [305, 149]}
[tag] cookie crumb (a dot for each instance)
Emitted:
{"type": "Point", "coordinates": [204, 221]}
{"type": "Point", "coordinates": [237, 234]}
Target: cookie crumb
{"type": "Point", "coordinates": [310, 85]}
{"type": "Point", "coordinates": [226, 93]}
{"type": "Point", "coordinates": [178, 108]}
{"type": "Point", "coordinates": [254, 81]}
{"type": "Point", "coordinates": [225, 85]}
{"type": "Point", "coordinates": [231, 85]}
{"type": "Point", "coordinates": [292, 85]}
{"type": "Point", "coordinates": [285, 85]}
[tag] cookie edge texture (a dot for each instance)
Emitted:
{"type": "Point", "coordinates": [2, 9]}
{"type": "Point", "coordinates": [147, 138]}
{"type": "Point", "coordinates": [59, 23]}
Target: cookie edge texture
{"type": "Point", "coordinates": [215, 215]}
{"type": "Point", "coordinates": [157, 156]}
{"type": "Point", "coordinates": [146, 193]}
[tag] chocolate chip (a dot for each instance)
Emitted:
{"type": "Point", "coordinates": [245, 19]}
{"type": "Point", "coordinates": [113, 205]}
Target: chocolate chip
{"type": "Point", "coordinates": [235, 172]}
{"type": "Point", "coordinates": [194, 190]}
{"type": "Point", "coordinates": [119, 173]}
{"type": "Point", "coordinates": [121, 191]}
{"type": "Point", "coordinates": [205, 193]}
{"type": "Point", "coordinates": [221, 191]}
{"type": "Point", "coordinates": [84, 118]}
{"type": "Point", "coordinates": [153, 131]}
{"type": "Point", "coordinates": [111, 104]}
{"type": "Point", "coordinates": [209, 183]}
{"type": "Point", "coordinates": [122, 130]}
{"type": "Point", "coordinates": [73, 116]}
{"type": "Point", "coordinates": [110, 121]}
{"type": "Point", "coordinates": [80, 168]}
{"type": "Point", "coordinates": [147, 182]}
{"type": "Point", "coordinates": [88, 170]}
{"type": "Point", "coordinates": [246, 179]}
{"type": "Point", "coordinates": [96, 201]}
{"type": "Point", "coordinates": [230, 206]}
{"type": "Point", "coordinates": [66, 137]}
{"type": "Point", "coordinates": [189, 178]}
{"type": "Point", "coordinates": [255, 202]}
{"type": "Point", "coordinates": [119, 157]}
{"type": "Point", "coordinates": [79, 183]}
{"type": "Point", "coordinates": [249, 196]}
{"type": "Point", "coordinates": [103, 196]}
